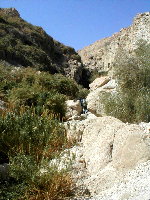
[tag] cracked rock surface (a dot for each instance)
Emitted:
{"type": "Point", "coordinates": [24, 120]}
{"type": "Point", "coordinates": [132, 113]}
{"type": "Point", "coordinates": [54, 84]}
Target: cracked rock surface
{"type": "Point", "coordinates": [111, 159]}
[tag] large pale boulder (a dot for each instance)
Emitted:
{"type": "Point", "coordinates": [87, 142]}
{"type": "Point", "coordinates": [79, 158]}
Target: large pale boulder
{"type": "Point", "coordinates": [131, 146]}
{"type": "Point", "coordinates": [99, 82]}
{"type": "Point", "coordinates": [74, 109]}
{"type": "Point", "coordinates": [110, 149]}
{"type": "Point", "coordinates": [107, 139]}
{"type": "Point", "coordinates": [95, 101]}
{"type": "Point", "coordinates": [98, 138]}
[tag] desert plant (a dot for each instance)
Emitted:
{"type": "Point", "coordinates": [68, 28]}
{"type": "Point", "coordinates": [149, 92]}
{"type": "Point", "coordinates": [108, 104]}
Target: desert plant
{"type": "Point", "coordinates": [29, 139]}
{"type": "Point", "coordinates": [131, 102]}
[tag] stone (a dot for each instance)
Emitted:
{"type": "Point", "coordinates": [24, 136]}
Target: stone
{"type": "Point", "coordinates": [112, 84]}
{"type": "Point", "coordinates": [111, 152]}
{"type": "Point", "coordinates": [12, 12]}
{"type": "Point", "coordinates": [95, 101]}
{"type": "Point", "coordinates": [74, 109]}
{"type": "Point", "coordinates": [98, 82]}
{"type": "Point", "coordinates": [101, 54]}
{"type": "Point", "coordinates": [131, 146]}
{"type": "Point", "coordinates": [145, 126]}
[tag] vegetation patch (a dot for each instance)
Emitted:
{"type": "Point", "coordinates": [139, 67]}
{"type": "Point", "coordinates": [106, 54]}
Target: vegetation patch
{"type": "Point", "coordinates": [31, 132]}
{"type": "Point", "coordinates": [131, 102]}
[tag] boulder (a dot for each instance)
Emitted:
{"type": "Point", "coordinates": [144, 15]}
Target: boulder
{"type": "Point", "coordinates": [95, 102]}
{"type": "Point", "coordinates": [112, 84]}
{"type": "Point", "coordinates": [110, 150]}
{"type": "Point", "coordinates": [98, 138]}
{"type": "Point", "coordinates": [131, 146]}
{"type": "Point", "coordinates": [74, 109]}
{"type": "Point", "coordinates": [99, 82]}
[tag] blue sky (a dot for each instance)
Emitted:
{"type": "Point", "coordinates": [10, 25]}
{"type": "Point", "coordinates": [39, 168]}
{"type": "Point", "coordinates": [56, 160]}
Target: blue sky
{"type": "Point", "coordinates": [78, 23]}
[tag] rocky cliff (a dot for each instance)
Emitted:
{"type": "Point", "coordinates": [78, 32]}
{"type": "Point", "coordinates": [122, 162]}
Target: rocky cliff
{"type": "Point", "coordinates": [101, 54]}
{"type": "Point", "coordinates": [22, 44]}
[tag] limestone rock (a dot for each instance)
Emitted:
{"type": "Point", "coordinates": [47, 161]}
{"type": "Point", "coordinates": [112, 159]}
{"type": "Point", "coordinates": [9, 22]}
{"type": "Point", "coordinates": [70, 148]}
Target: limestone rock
{"type": "Point", "coordinates": [93, 102]}
{"type": "Point", "coordinates": [98, 82]}
{"type": "Point", "coordinates": [97, 139]}
{"type": "Point", "coordinates": [110, 149]}
{"type": "Point", "coordinates": [131, 146]}
{"type": "Point", "coordinates": [94, 99]}
{"type": "Point", "coordinates": [74, 109]}
{"type": "Point", "coordinates": [12, 12]}
{"type": "Point", "coordinates": [134, 185]}
{"type": "Point", "coordinates": [112, 84]}
{"type": "Point", "coordinates": [146, 126]}
{"type": "Point", "coordinates": [101, 54]}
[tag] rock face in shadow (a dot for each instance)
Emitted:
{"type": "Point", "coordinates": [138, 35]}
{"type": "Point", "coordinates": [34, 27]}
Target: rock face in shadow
{"type": "Point", "coordinates": [22, 44]}
{"type": "Point", "coordinates": [101, 54]}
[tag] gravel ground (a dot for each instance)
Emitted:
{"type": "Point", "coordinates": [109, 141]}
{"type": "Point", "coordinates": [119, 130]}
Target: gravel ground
{"type": "Point", "coordinates": [134, 186]}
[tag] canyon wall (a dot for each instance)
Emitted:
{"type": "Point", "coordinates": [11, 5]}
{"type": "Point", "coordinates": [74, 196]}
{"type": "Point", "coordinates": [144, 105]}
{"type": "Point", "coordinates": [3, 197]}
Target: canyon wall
{"type": "Point", "coordinates": [100, 55]}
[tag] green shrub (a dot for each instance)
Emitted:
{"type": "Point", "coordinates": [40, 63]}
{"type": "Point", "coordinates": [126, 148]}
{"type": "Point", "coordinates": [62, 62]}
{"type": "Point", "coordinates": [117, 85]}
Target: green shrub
{"type": "Point", "coordinates": [131, 103]}
{"type": "Point", "coordinates": [29, 140]}
{"type": "Point", "coordinates": [83, 92]}
{"type": "Point", "coordinates": [25, 132]}
{"type": "Point", "coordinates": [66, 86]}
{"type": "Point", "coordinates": [119, 105]}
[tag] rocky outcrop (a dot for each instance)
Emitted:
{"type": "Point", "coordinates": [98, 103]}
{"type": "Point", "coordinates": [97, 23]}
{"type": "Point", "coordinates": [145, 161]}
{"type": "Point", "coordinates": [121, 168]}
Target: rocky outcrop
{"type": "Point", "coordinates": [99, 82]}
{"type": "Point", "coordinates": [22, 44]}
{"type": "Point", "coordinates": [99, 87]}
{"type": "Point", "coordinates": [113, 155]}
{"type": "Point", "coordinates": [100, 55]}
{"type": "Point", "coordinates": [10, 12]}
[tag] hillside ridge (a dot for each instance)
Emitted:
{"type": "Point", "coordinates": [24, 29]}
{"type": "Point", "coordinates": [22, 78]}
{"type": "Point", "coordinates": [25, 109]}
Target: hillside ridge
{"type": "Point", "coordinates": [22, 44]}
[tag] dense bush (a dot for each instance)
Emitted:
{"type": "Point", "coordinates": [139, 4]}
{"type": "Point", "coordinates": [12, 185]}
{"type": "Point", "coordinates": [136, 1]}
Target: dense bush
{"type": "Point", "coordinates": [131, 103]}
{"type": "Point", "coordinates": [31, 133]}
{"type": "Point", "coordinates": [31, 140]}
{"type": "Point", "coordinates": [29, 87]}
{"type": "Point", "coordinates": [23, 131]}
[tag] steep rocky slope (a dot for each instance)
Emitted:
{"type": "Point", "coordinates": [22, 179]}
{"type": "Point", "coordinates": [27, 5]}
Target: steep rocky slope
{"type": "Point", "coordinates": [101, 54]}
{"type": "Point", "coordinates": [22, 44]}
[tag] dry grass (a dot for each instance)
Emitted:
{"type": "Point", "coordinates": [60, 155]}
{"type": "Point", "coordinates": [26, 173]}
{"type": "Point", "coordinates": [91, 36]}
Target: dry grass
{"type": "Point", "coordinates": [56, 187]}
